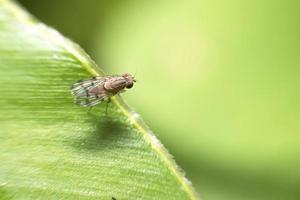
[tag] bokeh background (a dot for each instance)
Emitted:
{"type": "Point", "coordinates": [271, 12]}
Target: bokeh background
{"type": "Point", "coordinates": [218, 82]}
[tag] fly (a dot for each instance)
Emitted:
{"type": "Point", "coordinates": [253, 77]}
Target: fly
{"type": "Point", "coordinates": [88, 93]}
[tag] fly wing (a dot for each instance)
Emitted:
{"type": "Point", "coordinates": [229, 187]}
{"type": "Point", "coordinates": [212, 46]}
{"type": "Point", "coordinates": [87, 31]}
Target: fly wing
{"type": "Point", "coordinates": [83, 95]}
{"type": "Point", "coordinates": [90, 101]}
{"type": "Point", "coordinates": [82, 88]}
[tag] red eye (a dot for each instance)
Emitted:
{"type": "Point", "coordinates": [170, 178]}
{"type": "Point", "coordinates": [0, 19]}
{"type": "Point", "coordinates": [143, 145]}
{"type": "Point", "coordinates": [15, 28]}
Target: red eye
{"type": "Point", "coordinates": [129, 85]}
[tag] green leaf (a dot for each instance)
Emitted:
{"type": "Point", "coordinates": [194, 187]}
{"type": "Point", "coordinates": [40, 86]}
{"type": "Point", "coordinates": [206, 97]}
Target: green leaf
{"type": "Point", "coordinates": [52, 149]}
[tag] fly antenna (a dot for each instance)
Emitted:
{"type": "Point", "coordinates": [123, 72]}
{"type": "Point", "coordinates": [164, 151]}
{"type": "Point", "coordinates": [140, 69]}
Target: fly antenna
{"type": "Point", "coordinates": [135, 73]}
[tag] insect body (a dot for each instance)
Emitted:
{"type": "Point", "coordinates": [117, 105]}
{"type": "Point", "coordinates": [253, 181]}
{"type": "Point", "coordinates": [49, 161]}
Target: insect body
{"type": "Point", "coordinates": [90, 92]}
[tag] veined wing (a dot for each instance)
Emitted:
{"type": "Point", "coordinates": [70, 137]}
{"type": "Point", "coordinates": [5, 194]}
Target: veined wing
{"type": "Point", "coordinates": [83, 95]}
{"type": "Point", "coordinates": [82, 86]}
{"type": "Point", "coordinates": [91, 100]}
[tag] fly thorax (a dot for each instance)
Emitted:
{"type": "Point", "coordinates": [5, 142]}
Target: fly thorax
{"type": "Point", "coordinates": [115, 84]}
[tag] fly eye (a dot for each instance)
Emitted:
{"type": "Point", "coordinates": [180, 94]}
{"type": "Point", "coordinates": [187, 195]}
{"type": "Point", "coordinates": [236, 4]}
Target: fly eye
{"type": "Point", "coordinates": [129, 85]}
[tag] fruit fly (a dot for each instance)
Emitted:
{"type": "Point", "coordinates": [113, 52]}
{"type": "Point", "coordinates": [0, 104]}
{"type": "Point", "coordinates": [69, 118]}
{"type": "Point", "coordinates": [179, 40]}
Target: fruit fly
{"type": "Point", "coordinates": [89, 93]}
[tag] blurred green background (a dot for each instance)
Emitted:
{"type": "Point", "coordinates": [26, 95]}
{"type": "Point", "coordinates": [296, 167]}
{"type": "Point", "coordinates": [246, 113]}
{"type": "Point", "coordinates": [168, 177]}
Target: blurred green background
{"type": "Point", "coordinates": [218, 82]}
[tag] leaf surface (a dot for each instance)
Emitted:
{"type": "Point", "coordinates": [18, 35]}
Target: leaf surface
{"type": "Point", "coordinates": [52, 149]}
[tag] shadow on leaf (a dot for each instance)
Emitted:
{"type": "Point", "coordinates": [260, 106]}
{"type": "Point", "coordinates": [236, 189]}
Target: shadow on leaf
{"type": "Point", "coordinates": [106, 134]}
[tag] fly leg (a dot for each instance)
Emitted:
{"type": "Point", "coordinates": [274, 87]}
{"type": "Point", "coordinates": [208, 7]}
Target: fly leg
{"type": "Point", "coordinates": [90, 108]}
{"type": "Point", "coordinates": [108, 101]}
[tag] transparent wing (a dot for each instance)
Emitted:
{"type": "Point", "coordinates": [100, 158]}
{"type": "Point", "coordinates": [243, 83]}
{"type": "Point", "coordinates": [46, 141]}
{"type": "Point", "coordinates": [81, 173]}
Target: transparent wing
{"type": "Point", "coordinates": [82, 92]}
{"type": "Point", "coordinates": [82, 88]}
{"type": "Point", "coordinates": [91, 100]}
